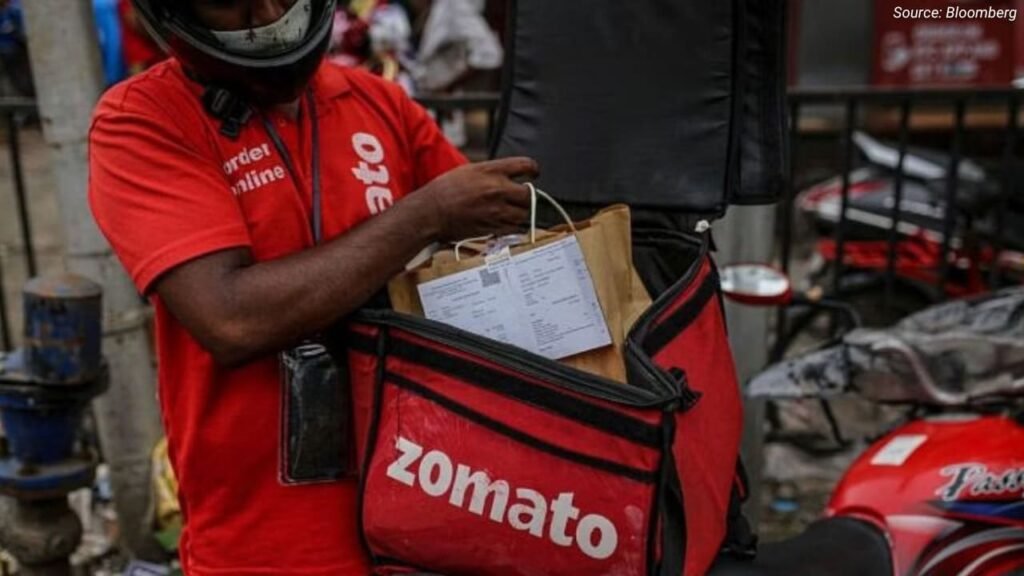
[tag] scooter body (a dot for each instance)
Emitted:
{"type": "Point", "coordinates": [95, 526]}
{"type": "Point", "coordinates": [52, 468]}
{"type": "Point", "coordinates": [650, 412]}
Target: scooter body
{"type": "Point", "coordinates": [943, 492]}
{"type": "Point", "coordinates": [947, 490]}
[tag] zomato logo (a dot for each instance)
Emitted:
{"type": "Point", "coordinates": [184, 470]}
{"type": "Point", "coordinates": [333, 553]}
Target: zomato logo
{"type": "Point", "coordinates": [434, 474]}
{"type": "Point", "coordinates": [372, 172]}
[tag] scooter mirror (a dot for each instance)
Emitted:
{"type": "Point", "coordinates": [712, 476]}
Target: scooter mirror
{"type": "Point", "coordinates": [756, 284]}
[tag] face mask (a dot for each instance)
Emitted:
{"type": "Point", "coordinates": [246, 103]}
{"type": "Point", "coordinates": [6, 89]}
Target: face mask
{"type": "Point", "coordinates": [286, 32]}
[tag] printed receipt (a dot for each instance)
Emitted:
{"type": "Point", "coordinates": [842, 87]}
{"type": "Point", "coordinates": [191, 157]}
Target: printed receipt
{"type": "Point", "coordinates": [542, 300]}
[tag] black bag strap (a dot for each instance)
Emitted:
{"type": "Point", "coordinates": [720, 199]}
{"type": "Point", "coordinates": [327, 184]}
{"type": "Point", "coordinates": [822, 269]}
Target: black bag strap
{"type": "Point", "coordinates": [740, 538]}
{"type": "Point", "coordinates": [672, 507]}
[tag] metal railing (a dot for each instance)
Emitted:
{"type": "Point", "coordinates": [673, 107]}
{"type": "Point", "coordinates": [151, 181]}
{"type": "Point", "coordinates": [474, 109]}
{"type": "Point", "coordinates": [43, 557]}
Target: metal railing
{"type": "Point", "coordinates": [844, 112]}
{"type": "Point", "coordinates": [829, 118]}
{"type": "Point", "coordinates": [440, 104]}
{"type": "Point", "coordinates": [11, 109]}
{"type": "Point", "coordinates": [466, 101]}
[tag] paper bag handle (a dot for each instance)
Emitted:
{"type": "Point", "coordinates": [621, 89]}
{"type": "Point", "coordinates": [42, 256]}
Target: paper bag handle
{"type": "Point", "coordinates": [458, 245]}
{"type": "Point", "coordinates": [534, 192]}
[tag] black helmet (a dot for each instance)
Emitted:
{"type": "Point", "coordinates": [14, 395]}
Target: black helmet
{"type": "Point", "coordinates": [274, 77]}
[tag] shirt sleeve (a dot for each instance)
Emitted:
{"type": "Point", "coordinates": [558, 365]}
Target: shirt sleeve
{"type": "Point", "coordinates": [159, 200]}
{"type": "Point", "coordinates": [432, 153]}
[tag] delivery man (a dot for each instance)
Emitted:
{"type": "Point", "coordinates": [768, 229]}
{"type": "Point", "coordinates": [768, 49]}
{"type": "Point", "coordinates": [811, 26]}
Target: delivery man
{"type": "Point", "coordinates": [214, 174]}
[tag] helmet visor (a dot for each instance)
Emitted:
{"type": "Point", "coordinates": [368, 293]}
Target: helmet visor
{"type": "Point", "coordinates": [282, 35]}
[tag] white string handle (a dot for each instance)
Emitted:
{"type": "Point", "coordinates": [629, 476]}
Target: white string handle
{"type": "Point", "coordinates": [534, 192]}
{"type": "Point", "coordinates": [463, 242]}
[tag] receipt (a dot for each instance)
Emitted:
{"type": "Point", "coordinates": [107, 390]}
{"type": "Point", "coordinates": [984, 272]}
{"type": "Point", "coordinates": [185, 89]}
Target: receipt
{"type": "Point", "coordinates": [542, 300]}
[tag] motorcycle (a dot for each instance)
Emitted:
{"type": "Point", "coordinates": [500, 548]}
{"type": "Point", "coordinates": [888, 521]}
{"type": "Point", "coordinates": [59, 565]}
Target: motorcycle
{"type": "Point", "coordinates": [942, 493]}
{"type": "Point", "coordinates": [978, 246]}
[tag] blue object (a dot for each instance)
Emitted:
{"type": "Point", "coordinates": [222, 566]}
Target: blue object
{"type": "Point", "coordinates": [108, 29]}
{"type": "Point", "coordinates": [63, 317]}
{"type": "Point", "coordinates": [140, 568]}
{"type": "Point", "coordinates": [39, 436]}
{"type": "Point", "coordinates": [12, 27]}
{"type": "Point", "coordinates": [45, 387]}
{"type": "Point", "coordinates": [45, 481]}
{"type": "Point", "coordinates": [785, 505]}
{"type": "Point", "coordinates": [41, 424]}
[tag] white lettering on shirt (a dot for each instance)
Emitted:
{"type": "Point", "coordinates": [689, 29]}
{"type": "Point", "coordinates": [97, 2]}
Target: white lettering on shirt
{"type": "Point", "coordinates": [245, 157]}
{"type": "Point", "coordinates": [247, 177]}
{"type": "Point", "coordinates": [372, 172]}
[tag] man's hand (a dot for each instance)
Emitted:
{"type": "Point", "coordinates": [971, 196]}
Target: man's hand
{"type": "Point", "coordinates": [478, 199]}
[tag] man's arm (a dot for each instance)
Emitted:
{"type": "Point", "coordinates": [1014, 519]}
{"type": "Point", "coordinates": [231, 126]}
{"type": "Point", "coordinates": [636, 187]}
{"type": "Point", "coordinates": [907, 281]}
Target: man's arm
{"type": "Point", "coordinates": [239, 310]}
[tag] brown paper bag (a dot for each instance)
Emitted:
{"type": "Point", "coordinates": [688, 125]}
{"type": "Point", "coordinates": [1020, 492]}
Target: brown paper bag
{"type": "Point", "coordinates": [605, 241]}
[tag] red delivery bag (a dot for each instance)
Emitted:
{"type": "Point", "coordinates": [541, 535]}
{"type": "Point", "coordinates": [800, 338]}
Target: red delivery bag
{"type": "Point", "coordinates": [482, 459]}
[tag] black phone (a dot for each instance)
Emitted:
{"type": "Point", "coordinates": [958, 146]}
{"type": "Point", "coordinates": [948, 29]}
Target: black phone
{"type": "Point", "coordinates": [317, 435]}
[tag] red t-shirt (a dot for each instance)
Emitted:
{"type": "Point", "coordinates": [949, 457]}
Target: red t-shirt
{"type": "Point", "coordinates": [166, 187]}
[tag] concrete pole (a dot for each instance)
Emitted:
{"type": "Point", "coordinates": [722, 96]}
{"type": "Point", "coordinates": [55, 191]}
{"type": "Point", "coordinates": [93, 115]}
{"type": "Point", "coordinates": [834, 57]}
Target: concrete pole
{"type": "Point", "coordinates": [68, 77]}
{"type": "Point", "coordinates": [746, 235]}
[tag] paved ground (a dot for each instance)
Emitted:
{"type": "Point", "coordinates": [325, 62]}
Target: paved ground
{"type": "Point", "coordinates": [797, 484]}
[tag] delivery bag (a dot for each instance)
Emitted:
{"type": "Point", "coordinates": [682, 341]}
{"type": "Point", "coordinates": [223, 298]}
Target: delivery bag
{"type": "Point", "coordinates": [481, 459]}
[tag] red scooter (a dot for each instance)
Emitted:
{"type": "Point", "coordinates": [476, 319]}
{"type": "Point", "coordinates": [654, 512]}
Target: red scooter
{"type": "Point", "coordinates": [943, 492]}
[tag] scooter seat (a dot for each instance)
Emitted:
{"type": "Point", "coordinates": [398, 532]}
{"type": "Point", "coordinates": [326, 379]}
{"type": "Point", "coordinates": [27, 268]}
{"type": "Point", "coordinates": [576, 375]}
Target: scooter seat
{"type": "Point", "coordinates": [836, 546]}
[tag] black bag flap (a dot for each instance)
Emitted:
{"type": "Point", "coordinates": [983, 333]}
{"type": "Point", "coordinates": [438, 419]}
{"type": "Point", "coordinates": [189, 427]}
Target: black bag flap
{"type": "Point", "coordinates": [634, 101]}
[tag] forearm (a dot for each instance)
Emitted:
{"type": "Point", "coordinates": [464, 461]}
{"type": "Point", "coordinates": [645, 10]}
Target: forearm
{"type": "Point", "coordinates": [268, 306]}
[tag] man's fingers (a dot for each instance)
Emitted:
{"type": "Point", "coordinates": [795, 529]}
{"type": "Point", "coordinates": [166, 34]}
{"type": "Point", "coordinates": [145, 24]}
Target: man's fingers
{"type": "Point", "coordinates": [514, 167]}
{"type": "Point", "coordinates": [518, 195]}
{"type": "Point", "coordinates": [514, 220]}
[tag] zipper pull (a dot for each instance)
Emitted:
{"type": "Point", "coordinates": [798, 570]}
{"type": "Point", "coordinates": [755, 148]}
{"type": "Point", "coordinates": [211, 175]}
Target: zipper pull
{"type": "Point", "coordinates": [688, 397]}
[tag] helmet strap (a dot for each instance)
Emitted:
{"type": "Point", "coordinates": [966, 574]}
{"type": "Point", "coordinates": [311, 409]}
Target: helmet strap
{"type": "Point", "coordinates": [232, 111]}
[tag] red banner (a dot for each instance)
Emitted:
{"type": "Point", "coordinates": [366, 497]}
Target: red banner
{"type": "Point", "coordinates": [933, 42]}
